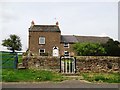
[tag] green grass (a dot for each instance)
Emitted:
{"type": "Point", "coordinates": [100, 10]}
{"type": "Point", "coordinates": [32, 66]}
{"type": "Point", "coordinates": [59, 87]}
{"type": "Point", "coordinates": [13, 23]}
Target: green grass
{"type": "Point", "coordinates": [28, 75]}
{"type": "Point", "coordinates": [102, 77]}
{"type": "Point", "coordinates": [19, 58]}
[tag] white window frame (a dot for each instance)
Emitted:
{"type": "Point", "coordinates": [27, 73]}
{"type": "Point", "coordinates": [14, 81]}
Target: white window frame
{"type": "Point", "coordinates": [40, 40]}
{"type": "Point", "coordinates": [41, 52]}
{"type": "Point", "coordinates": [68, 54]}
{"type": "Point", "coordinates": [66, 45]}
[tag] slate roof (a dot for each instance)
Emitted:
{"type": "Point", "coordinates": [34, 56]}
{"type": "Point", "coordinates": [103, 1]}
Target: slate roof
{"type": "Point", "coordinates": [45, 28]}
{"type": "Point", "coordinates": [68, 39]}
{"type": "Point", "coordinates": [74, 39]}
{"type": "Point", "coordinates": [93, 39]}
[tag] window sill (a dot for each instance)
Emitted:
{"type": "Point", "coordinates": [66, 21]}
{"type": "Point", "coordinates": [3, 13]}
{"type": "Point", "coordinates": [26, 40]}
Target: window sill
{"type": "Point", "coordinates": [41, 44]}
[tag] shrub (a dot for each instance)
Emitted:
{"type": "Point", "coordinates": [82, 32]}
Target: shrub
{"type": "Point", "coordinates": [112, 48]}
{"type": "Point", "coordinates": [89, 49]}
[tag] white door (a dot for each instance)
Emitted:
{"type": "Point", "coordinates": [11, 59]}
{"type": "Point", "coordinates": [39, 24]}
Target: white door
{"type": "Point", "coordinates": [55, 51]}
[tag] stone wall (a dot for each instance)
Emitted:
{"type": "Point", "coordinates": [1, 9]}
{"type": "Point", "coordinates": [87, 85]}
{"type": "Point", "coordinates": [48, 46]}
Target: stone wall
{"type": "Point", "coordinates": [97, 64]}
{"type": "Point", "coordinates": [83, 63]}
{"type": "Point", "coordinates": [42, 62]}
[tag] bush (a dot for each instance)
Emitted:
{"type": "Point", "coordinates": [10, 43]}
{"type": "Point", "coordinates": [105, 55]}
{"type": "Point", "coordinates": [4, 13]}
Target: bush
{"type": "Point", "coordinates": [89, 49]}
{"type": "Point", "coordinates": [112, 48]}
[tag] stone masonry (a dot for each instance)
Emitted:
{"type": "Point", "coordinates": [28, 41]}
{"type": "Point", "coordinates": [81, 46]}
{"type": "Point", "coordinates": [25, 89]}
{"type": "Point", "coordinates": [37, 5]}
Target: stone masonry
{"type": "Point", "coordinates": [83, 63]}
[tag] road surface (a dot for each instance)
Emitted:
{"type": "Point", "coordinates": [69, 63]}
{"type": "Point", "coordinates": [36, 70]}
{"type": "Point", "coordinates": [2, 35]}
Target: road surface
{"type": "Point", "coordinates": [63, 84]}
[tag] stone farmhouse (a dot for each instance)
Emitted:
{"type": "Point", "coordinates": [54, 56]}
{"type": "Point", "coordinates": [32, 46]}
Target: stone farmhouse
{"type": "Point", "coordinates": [47, 40]}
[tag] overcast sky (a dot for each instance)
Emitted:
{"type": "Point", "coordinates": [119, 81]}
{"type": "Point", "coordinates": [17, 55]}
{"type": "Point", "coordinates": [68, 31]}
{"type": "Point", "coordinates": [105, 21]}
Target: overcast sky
{"type": "Point", "coordinates": [75, 18]}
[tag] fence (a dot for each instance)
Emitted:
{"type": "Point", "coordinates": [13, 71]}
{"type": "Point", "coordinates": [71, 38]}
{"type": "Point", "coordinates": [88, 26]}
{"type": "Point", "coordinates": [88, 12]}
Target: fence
{"type": "Point", "coordinates": [9, 60]}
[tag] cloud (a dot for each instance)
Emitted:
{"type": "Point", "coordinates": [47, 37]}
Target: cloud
{"type": "Point", "coordinates": [7, 15]}
{"type": "Point", "coordinates": [59, 0]}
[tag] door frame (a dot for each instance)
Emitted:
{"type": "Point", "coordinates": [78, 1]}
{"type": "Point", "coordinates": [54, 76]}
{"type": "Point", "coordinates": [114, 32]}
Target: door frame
{"type": "Point", "coordinates": [55, 49]}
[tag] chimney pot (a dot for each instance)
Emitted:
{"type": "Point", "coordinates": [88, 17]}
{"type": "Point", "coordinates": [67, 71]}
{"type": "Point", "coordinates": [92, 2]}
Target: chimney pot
{"type": "Point", "coordinates": [32, 23]}
{"type": "Point", "coordinates": [57, 23]}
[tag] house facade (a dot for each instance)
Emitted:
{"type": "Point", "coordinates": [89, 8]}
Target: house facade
{"type": "Point", "coordinates": [46, 40]}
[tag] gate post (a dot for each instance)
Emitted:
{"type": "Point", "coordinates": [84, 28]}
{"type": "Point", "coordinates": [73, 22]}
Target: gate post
{"type": "Point", "coordinates": [60, 64]}
{"type": "Point", "coordinates": [75, 65]}
{"type": "Point", "coordinates": [16, 61]}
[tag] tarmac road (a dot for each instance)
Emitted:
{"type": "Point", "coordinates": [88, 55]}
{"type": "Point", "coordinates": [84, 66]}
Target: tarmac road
{"type": "Point", "coordinates": [63, 84]}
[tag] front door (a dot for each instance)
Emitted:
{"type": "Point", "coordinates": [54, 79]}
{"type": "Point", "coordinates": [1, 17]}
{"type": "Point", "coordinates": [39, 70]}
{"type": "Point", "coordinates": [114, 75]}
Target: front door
{"type": "Point", "coordinates": [55, 51]}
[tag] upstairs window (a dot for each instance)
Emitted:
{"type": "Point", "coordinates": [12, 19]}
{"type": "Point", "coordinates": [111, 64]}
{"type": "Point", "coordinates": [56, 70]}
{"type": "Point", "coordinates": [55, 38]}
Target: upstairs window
{"type": "Point", "coordinates": [66, 45]}
{"type": "Point", "coordinates": [41, 40]}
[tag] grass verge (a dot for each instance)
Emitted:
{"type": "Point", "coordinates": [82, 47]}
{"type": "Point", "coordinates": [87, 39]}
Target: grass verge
{"type": "Point", "coordinates": [102, 77]}
{"type": "Point", "coordinates": [12, 75]}
{"type": "Point", "coordinates": [30, 75]}
{"type": "Point", "coordinates": [19, 58]}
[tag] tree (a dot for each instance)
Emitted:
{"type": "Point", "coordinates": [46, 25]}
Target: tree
{"type": "Point", "coordinates": [89, 49]}
{"type": "Point", "coordinates": [112, 48]}
{"type": "Point", "coordinates": [12, 43]}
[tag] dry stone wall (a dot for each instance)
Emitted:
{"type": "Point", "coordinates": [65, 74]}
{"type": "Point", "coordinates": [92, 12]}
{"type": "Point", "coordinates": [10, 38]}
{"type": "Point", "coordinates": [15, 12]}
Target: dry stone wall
{"type": "Point", "coordinates": [83, 63]}
{"type": "Point", "coordinates": [97, 64]}
{"type": "Point", "coordinates": [42, 62]}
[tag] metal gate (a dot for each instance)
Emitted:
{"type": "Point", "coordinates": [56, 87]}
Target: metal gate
{"type": "Point", "coordinates": [67, 64]}
{"type": "Point", "coordinates": [9, 60]}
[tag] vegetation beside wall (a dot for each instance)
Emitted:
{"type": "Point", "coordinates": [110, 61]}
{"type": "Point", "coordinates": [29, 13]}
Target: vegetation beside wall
{"type": "Point", "coordinates": [29, 75]}
{"type": "Point", "coordinates": [18, 75]}
{"type": "Point", "coordinates": [110, 48]}
{"type": "Point", "coordinates": [89, 49]}
{"type": "Point", "coordinates": [102, 77]}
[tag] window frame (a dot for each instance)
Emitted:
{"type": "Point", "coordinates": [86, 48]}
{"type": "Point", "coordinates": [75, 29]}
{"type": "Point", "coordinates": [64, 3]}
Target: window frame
{"type": "Point", "coordinates": [41, 52]}
{"type": "Point", "coordinates": [66, 54]}
{"type": "Point", "coordinates": [40, 40]}
{"type": "Point", "coordinates": [66, 45]}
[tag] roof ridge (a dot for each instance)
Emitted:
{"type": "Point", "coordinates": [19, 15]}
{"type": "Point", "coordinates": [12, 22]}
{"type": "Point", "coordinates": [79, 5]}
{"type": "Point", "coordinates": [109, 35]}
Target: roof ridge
{"type": "Point", "coordinates": [94, 36]}
{"type": "Point", "coordinates": [45, 28]}
{"type": "Point", "coordinates": [44, 25]}
{"type": "Point", "coordinates": [67, 35]}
